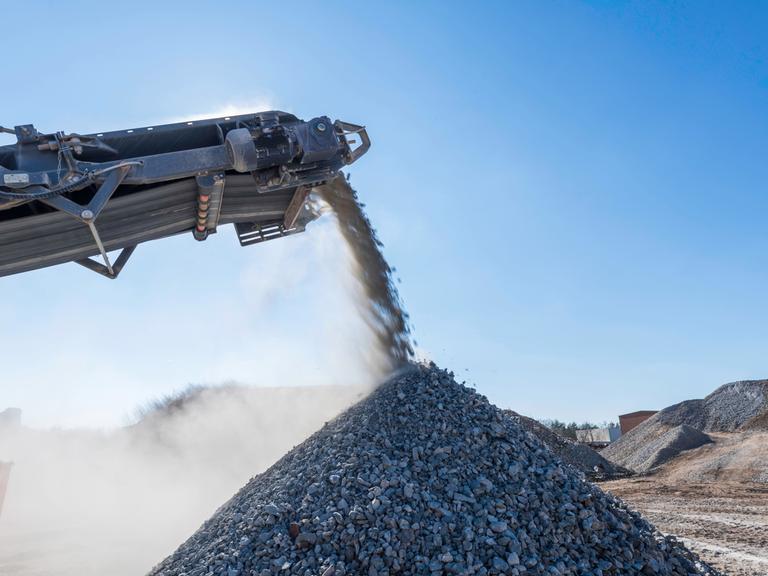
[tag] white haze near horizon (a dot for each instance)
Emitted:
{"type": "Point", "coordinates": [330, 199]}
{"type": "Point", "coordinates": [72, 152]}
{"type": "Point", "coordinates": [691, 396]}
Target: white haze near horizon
{"type": "Point", "coordinates": [86, 502]}
{"type": "Point", "coordinates": [281, 313]}
{"type": "Point", "coordinates": [284, 313]}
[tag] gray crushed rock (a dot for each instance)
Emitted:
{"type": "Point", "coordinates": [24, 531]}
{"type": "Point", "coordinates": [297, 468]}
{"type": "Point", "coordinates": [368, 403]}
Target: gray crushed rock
{"type": "Point", "coordinates": [659, 448]}
{"type": "Point", "coordinates": [581, 457]}
{"type": "Point", "coordinates": [727, 409]}
{"type": "Point", "coordinates": [425, 476]}
{"type": "Point", "coordinates": [732, 407]}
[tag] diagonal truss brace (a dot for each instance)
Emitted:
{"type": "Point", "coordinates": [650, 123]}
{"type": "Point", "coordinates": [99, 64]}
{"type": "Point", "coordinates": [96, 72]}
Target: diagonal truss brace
{"type": "Point", "coordinates": [111, 271]}
{"type": "Point", "coordinates": [88, 214]}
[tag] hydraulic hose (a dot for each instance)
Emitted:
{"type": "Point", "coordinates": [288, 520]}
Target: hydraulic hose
{"type": "Point", "coordinates": [80, 182]}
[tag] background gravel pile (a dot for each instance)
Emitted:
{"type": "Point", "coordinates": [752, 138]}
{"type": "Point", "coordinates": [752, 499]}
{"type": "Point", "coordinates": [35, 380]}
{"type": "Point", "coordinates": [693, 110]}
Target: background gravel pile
{"type": "Point", "coordinates": [581, 457]}
{"type": "Point", "coordinates": [759, 422]}
{"type": "Point", "coordinates": [663, 447]}
{"type": "Point", "coordinates": [727, 409]}
{"type": "Point", "coordinates": [732, 407]}
{"type": "Point", "coordinates": [425, 477]}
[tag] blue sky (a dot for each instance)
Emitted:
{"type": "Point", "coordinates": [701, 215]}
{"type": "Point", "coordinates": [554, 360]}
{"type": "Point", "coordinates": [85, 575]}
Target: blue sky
{"type": "Point", "coordinates": [573, 194]}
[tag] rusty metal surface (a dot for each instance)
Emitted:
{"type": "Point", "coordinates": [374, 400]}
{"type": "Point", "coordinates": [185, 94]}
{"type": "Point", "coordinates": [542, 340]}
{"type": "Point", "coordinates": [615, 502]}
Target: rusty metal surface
{"type": "Point", "coordinates": [295, 207]}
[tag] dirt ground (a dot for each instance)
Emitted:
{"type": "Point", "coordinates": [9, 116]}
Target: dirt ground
{"type": "Point", "coordinates": [725, 522]}
{"type": "Point", "coordinates": [731, 458]}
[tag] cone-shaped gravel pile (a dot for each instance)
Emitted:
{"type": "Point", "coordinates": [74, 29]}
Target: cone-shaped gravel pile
{"type": "Point", "coordinates": [669, 443]}
{"type": "Point", "coordinates": [732, 407]}
{"type": "Point", "coordinates": [726, 409]}
{"type": "Point", "coordinates": [425, 477]}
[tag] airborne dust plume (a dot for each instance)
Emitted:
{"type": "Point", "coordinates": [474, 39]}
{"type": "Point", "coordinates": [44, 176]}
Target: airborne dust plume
{"type": "Point", "coordinates": [86, 502]}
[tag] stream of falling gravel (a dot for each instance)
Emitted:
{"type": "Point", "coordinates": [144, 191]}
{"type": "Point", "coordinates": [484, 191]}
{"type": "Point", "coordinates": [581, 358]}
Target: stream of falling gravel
{"type": "Point", "coordinates": [381, 307]}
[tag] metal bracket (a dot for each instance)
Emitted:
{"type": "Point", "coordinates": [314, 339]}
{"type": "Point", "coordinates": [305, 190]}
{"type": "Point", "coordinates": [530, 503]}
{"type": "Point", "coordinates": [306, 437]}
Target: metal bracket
{"type": "Point", "coordinates": [345, 129]}
{"type": "Point", "coordinates": [293, 211]}
{"type": "Point", "coordinates": [111, 271]}
{"type": "Point", "coordinates": [249, 233]}
{"type": "Point", "coordinates": [89, 213]}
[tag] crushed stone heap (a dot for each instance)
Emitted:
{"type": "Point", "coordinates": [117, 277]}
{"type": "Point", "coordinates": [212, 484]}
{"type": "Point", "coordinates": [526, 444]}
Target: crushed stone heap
{"type": "Point", "coordinates": [425, 477]}
{"type": "Point", "coordinates": [732, 407]}
{"type": "Point", "coordinates": [727, 409]}
{"type": "Point", "coordinates": [581, 457]}
{"type": "Point", "coordinates": [660, 448]}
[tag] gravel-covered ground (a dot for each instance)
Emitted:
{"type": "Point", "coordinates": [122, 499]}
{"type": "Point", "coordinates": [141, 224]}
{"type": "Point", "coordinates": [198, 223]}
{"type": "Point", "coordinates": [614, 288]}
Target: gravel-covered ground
{"type": "Point", "coordinates": [724, 522]}
{"type": "Point", "coordinates": [715, 498]}
{"type": "Point", "coordinates": [731, 457]}
{"type": "Point", "coordinates": [425, 477]}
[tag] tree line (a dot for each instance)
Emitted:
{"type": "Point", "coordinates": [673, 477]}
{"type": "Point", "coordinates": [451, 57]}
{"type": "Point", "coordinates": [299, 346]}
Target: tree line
{"type": "Point", "coordinates": [568, 429]}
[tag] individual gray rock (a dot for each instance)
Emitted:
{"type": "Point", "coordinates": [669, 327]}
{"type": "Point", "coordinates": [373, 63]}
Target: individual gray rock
{"type": "Point", "coordinates": [271, 509]}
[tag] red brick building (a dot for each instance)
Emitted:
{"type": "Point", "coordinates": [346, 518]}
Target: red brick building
{"type": "Point", "coordinates": [634, 419]}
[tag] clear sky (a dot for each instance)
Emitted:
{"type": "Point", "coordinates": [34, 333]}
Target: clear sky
{"type": "Point", "coordinates": [573, 193]}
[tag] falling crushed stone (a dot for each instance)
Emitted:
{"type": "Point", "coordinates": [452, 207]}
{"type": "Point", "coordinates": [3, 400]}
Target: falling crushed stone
{"type": "Point", "coordinates": [380, 306]}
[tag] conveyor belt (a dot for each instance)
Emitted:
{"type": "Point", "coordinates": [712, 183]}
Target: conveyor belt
{"type": "Point", "coordinates": [56, 237]}
{"type": "Point", "coordinates": [68, 197]}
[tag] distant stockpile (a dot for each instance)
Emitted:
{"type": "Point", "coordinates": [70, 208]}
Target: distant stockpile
{"type": "Point", "coordinates": [733, 407]}
{"type": "Point", "coordinates": [759, 422]}
{"type": "Point", "coordinates": [655, 446]}
{"type": "Point", "coordinates": [727, 409]}
{"type": "Point", "coordinates": [740, 457]}
{"type": "Point", "coordinates": [581, 457]}
{"type": "Point", "coordinates": [425, 477]}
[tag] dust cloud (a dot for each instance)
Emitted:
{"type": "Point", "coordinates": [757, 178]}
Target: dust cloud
{"type": "Point", "coordinates": [92, 502]}
{"type": "Point", "coordinates": [83, 502]}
